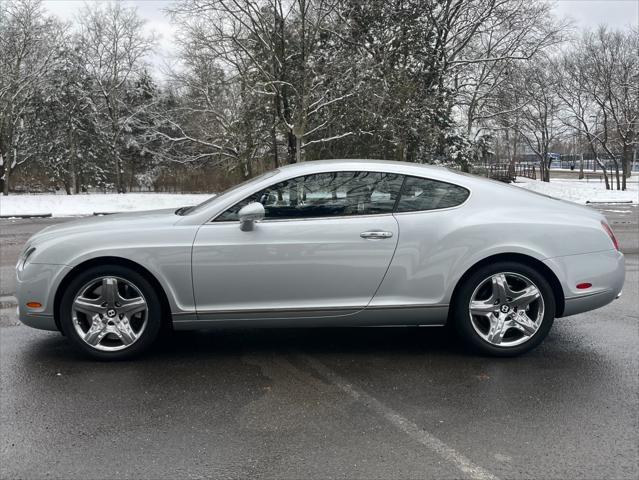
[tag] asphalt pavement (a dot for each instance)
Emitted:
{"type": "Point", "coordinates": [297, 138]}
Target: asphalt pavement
{"type": "Point", "coordinates": [325, 403]}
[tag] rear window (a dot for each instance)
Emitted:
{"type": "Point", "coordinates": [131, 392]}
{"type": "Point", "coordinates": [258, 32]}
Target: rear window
{"type": "Point", "coordinates": [424, 194]}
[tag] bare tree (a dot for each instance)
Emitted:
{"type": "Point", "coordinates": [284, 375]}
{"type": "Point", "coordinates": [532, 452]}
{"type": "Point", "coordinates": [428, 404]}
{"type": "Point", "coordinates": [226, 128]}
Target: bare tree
{"type": "Point", "coordinates": [614, 73]}
{"type": "Point", "coordinates": [539, 123]}
{"type": "Point", "coordinates": [115, 46]}
{"type": "Point", "coordinates": [211, 115]}
{"type": "Point", "coordinates": [507, 116]}
{"type": "Point", "coordinates": [579, 109]}
{"type": "Point", "coordinates": [600, 91]}
{"type": "Point", "coordinates": [274, 49]}
{"type": "Point", "coordinates": [515, 32]}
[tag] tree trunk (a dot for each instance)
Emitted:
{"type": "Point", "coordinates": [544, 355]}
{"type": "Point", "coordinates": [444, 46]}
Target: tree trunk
{"type": "Point", "coordinates": [119, 182]}
{"type": "Point", "coordinates": [246, 166]}
{"type": "Point", "coordinates": [5, 183]}
{"type": "Point", "coordinates": [401, 149]}
{"type": "Point", "coordinates": [291, 147]}
{"type": "Point", "coordinates": [3, 169]}
{"type": "Point", "coordinates": [626, 163]}
{"type": "Point", "coordinates": [76, 181]}
{"type": "Point", "coordinates": [543, 166]}
{"type": "Point", "coordinates": [116, 163]}
{"type": "Point", "coordinates": [606, 180]}
{"type": "Point", "coordinates": [298, 148]}
{"type": "Point", "coordinates": [118, 177]}
{"type": "Point", "coordinates": [605, 173]}
{"type": "Point", "coordinates": [616, 163]}
{"type": "Point", "coordinates": [276, 161]}
{"type": "Point", "coordinates": [131, 182]}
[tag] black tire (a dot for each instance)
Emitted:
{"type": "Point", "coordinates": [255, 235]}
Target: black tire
{"type": "Point", "coordinates": [461, 317]}
{"type": "Point", "coordinates": [153, 313]}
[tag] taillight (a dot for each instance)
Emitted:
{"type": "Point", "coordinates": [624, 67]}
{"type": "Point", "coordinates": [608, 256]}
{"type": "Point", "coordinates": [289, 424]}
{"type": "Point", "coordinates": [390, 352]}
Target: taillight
{"type": "Point", "coordinates": [611, 234]}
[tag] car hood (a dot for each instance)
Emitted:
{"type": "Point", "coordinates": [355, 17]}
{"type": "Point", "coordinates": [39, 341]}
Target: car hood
{"type": "Point", "coordinates": [108, 223]}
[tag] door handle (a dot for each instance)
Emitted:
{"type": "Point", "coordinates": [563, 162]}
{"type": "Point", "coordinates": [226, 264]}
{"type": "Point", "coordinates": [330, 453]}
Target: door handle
{"type": "Point", "coordinates": [376, 234]}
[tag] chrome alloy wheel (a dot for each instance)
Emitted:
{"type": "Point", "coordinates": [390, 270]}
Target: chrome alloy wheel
{"type": "Point", "coordinates": [506, 309]}
{"type": "Point", "coordinates": [109, 313]}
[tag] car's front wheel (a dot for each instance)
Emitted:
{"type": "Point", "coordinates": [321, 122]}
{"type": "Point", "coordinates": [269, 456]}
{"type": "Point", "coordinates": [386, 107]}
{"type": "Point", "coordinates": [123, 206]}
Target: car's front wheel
{"type": "Point", "coordinates": [110, 312]}
{"type": "Point", "coordinates": [504, 309]}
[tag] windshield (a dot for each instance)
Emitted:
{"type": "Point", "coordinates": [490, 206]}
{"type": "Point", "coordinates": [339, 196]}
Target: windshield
{"type": "Point", "coordinates": [208, 201]}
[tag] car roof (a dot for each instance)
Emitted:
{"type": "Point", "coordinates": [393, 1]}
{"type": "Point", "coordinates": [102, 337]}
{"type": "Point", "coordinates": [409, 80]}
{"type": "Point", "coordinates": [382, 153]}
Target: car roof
{"type": "Point", "coordinates": [406, 168]}
{"type": "Point", "coordinates": [357, 162]}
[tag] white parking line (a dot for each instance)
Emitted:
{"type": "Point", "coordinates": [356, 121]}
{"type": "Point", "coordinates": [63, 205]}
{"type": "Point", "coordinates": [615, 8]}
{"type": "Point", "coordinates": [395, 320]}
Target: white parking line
{"type": "Point", "coordinates": [401, 423]}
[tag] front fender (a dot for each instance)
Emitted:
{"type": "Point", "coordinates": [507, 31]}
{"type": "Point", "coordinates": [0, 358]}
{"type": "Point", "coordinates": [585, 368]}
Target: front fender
{"type": "Point", "coordinates": [37, 282]}
{"type": "Point", "coordinates": [164, 252]}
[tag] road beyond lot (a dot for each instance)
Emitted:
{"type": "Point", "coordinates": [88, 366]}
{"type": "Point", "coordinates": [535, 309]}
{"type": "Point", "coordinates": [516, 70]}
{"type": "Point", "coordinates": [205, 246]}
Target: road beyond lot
{"type": "Point", "coordinates": [325, 403]}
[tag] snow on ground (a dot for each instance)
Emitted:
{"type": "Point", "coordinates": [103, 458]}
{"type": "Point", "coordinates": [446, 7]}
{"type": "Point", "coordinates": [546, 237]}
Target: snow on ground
{"type": "Point", "coordinates": [87, 204]}
{"type": "Point", "coordinates": [582, 191]}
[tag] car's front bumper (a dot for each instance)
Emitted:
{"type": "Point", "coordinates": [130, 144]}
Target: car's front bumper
{"type": "Point", "coordinates": [604, 270]}
{"type": "Point", "coordinates": [38, 282]}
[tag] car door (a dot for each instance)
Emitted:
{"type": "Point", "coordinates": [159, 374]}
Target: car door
{"type": "Point", "coordinates": [323, 248]}
{"type": "Point", "coordinates": [430, 246]}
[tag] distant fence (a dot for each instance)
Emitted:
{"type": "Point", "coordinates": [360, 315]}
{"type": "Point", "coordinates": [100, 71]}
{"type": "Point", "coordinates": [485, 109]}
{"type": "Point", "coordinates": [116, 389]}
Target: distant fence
{"type": "Point", "coordinates": [589, 163]}
{"type": "Point", "coordinates": [588, 167]}
{"type": "Point", "coordinates": [573, 162]}
{"type": "Point", "coordinates": [523, 170]}
{"type": "Point", "coordinates": [507, 172]}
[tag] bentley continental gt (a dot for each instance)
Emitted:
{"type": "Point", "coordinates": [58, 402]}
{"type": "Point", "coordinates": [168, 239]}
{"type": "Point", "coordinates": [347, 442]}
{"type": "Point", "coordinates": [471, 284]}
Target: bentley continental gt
{"type": "Point", "coordinates": [326, 243]}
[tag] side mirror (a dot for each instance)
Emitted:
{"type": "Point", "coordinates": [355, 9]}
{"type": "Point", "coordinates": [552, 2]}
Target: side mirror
{"type": "Point", "coordinates": [249, 214]}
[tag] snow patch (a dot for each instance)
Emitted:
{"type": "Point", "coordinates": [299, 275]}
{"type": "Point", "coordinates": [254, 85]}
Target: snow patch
{"type": "Point", "coordinates": [582, 191]}
{"type": "Point", "coordinates": [87, 204]}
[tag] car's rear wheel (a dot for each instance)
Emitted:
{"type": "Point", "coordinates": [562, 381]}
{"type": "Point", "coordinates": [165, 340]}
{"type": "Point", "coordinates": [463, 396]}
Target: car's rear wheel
{"type": "Point", "coordinates": [110, 312]}
{"type": "Point", "coordinates": [504, 309]}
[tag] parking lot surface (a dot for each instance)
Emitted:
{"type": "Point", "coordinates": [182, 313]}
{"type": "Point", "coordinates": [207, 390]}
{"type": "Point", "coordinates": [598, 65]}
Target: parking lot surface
{"type": "Point", "coordinates": [325, 403]}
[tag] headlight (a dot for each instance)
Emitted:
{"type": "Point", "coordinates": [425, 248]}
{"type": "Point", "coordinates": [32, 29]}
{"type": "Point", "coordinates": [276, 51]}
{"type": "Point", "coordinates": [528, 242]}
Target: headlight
{"type": "Point", "coordinates": [22, 261]}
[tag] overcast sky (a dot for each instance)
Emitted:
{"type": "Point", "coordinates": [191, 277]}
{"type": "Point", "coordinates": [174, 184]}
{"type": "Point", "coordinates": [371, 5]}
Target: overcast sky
{"type": "Point", "coordinates": [585, 14]}
{"type": "Point", "coordinates": [150, 10]}
{"type": "Point", "coordinates": [588, 13]}
{"type": "Point", "coordinates": [592, 13]}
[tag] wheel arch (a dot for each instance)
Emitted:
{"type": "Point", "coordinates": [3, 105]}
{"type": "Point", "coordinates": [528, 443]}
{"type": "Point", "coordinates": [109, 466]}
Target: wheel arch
{"type": "Point", "coordinates": [532, 262]}
{"type": "Point", "coordinates": [111, 260]}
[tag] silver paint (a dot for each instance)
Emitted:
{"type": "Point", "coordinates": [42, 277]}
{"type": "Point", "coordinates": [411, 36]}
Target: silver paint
{"type": "Point", "coordinates": [330, 271]}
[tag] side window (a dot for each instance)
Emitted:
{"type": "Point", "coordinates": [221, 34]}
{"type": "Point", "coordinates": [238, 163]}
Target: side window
{"type": "Point", "coordinates": [424, 194]}
{"type": "Point", "coordinates": [325, 195]}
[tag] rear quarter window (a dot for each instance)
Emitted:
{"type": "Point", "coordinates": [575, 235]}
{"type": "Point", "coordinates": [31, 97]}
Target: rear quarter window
{"type": "Point", "coordinates": [419, 194]}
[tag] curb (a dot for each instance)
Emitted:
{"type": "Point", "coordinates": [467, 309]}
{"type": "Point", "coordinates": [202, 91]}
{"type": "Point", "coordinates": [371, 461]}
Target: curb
{"type": "Point", "coordinates": [49, 215]}
{"type": "Point", "coordinates": [28, 215]}
{"type": "Point", "coordinates": [8, 301]}
{"type": "Point", "coordinates": [625, 202]}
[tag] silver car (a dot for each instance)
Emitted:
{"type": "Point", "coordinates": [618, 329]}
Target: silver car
{"type": "Point", "coordinates": [326, 243]}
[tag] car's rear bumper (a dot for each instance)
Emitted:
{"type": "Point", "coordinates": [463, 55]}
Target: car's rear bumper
{"type": "Point", "coordinates": [605, 271]}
